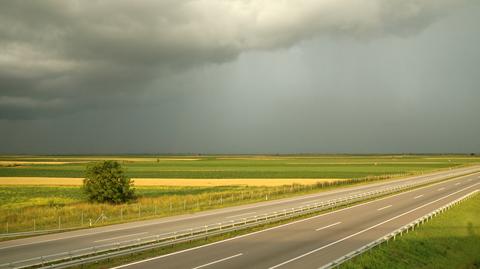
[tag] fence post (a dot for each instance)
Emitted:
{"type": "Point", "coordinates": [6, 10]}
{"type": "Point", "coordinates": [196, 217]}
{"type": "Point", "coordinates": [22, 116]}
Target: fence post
{"type": "Point", "coordinates": [59, 223]}
{"type": "Point", "coordinates": [34, 225]}
{"type": "Point", "coordinates": [81, 224]}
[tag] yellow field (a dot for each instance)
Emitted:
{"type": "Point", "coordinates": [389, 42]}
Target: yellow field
{"type": "Point", "coordinates": [55, 181]}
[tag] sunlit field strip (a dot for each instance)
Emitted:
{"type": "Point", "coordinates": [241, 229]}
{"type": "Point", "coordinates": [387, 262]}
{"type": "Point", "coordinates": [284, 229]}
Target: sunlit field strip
{"type": "Point", "coordinates": [54, 181]}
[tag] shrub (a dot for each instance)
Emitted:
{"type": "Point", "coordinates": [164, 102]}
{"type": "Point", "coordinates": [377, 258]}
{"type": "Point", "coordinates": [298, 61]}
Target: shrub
{"type": "Point", "coordinates": [106, 182]}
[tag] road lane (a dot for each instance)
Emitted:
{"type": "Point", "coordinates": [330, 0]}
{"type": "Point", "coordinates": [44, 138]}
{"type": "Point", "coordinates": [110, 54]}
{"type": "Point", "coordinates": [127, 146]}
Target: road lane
{"type": "Point", "coordinates": [299, 245]}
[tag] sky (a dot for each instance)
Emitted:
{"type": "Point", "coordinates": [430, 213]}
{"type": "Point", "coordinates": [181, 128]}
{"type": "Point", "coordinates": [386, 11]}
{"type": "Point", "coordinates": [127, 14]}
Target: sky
{"type": "Point", "coordinates": [239, 76]}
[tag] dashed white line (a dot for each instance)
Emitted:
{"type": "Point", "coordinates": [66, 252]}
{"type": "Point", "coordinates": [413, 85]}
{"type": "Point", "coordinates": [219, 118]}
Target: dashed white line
{"type": "Point", "coordinates": [416, 197]}
{"type": "Point", "coordinates": [290, 224]}
{"type": "Point", "coordinates": [239, 215]}
{"type": "Point", "coordinates": [456, 184]}
{"type": "Point", "coordinates": [118, 237]}
{"type": "Point", "coordinates": [385, 207]}
{"type": "Point", "coordinates": [217, 261]}
{"type": "Point", "coordinates": [441, 189]}
{"type": "Point", "coordinates": [369, 228]}
{"type": "Point", "coordinates": [328, 226]}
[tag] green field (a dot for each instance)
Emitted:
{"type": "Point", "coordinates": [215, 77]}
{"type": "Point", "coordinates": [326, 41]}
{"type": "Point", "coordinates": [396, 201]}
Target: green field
{"type": "Point", "coordinates": [451, 240]}
{"type": "Point", "coordinates": [236, 166]}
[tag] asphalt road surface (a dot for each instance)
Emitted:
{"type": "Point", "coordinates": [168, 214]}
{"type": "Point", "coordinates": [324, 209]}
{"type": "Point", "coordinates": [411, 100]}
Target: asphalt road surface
{"type": "Point", "coordinates": [316, 241]}
{"type": "Point", "coordinates": [22, 249]}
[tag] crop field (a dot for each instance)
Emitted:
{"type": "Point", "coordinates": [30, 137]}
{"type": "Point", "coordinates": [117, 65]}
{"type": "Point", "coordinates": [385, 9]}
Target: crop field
{"type": "Point", "coordinates": [451, 240]}
{"type": "Point", "coordinates": [234, 167]}
{"type": "Point", "coordinates": [42, 192]}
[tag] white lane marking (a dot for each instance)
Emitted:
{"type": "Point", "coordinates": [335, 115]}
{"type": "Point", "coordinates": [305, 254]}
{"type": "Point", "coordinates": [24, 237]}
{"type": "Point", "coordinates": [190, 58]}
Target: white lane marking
{"type": "Point", "coordinates": [284, 225]}
{"type": "Point", "coordinates": [385, 207]}
{"type": "Point", "coordinates": [416, 197]}
{"type": "Point", "coordinates": [239, 215]}
{"type": "Point", "coordinates": [287, 200]}
{"type": "Point", "coordinates": [456, 184]}
{"type": "Point", "coordinates": [367, 229]}
{"type": "Point", "coordinates": [441, 189]}
{"type": "Point", "coordinates": [118, 237]}
{"type": "Point", "coordinates": [217, 261]}
{"type": "Point", "coordinates": [328, 226]}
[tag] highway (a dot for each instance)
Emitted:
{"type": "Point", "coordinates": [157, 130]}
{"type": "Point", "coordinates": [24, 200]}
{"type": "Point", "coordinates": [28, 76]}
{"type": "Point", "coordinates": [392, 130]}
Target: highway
{"type": "Point", "coordinates": [318, 240]}
{"type": "Point", "coordinates": [22, 249]}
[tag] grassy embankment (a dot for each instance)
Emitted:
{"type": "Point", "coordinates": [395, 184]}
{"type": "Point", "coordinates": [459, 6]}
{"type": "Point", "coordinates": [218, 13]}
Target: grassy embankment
{"type": "Point", "coordinates": [24, 207]}
{"type": "Point", "coordinates": [451, 240]}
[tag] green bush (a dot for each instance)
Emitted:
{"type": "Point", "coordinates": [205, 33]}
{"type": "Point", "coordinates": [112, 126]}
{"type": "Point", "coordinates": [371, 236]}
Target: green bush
{"type": "Point", "coordinates": [106, 182]}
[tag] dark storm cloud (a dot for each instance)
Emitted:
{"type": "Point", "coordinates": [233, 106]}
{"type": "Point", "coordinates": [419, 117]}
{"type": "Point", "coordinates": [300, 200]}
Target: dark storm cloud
{"type": "Point", "coordinates": [64, 56]}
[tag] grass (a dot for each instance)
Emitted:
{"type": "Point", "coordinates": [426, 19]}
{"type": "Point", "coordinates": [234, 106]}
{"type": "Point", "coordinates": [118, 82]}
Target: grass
{"type": "Point", "coordinates": [451, 240]}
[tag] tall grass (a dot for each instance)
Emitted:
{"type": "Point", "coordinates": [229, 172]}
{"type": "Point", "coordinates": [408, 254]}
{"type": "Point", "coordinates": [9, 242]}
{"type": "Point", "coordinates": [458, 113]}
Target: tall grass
{"type": "Point", "coordinates": [29, 208]}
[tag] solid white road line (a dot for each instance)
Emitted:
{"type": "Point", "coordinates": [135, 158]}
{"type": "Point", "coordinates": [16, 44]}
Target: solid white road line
{"type": "Point", "coordinates": [441, 189]}
{"type": "Point", "coordinates": [328, 226]}
{"type": "Point", "coordinates": [217, 261]}
{"type": "Point", "coordinates": [416, 197]}
{"type": "Point", "coordinates": [118, 237]}
{"type": "Point", "coordinates": [239, 215]}
{"type": "Point", "coordinates": [369, 228]}
{"type": "Point", "coordinates": [385, 207]}
{"type": "Point", "coordinates": [288, 224]}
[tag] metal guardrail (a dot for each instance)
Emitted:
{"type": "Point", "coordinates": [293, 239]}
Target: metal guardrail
{"type": "Point", "coordinates": [399, 232]}
{"type": "Point", "coordinates": [100, 252]}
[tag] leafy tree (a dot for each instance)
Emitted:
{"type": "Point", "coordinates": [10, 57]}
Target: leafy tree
{"type": "Point", "coordinates": [106, 182]}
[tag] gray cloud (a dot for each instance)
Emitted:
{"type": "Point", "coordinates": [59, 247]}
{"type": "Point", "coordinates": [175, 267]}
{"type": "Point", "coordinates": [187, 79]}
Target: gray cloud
{"type": "Point", "coordinates": [67, 55]}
